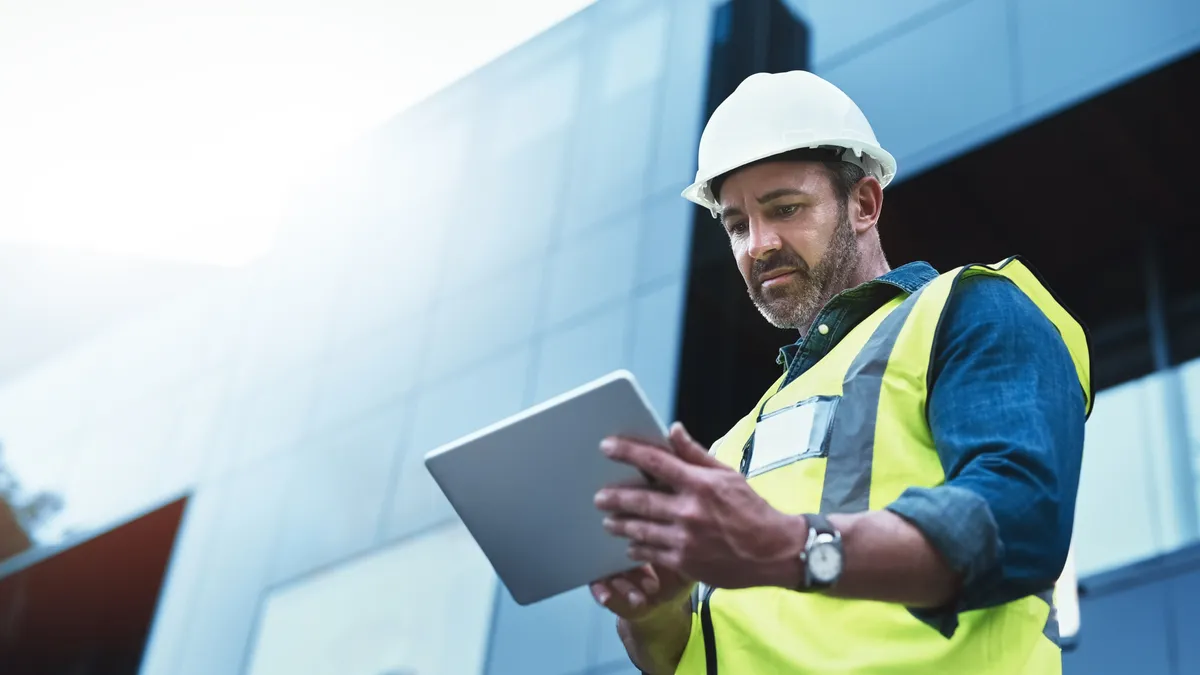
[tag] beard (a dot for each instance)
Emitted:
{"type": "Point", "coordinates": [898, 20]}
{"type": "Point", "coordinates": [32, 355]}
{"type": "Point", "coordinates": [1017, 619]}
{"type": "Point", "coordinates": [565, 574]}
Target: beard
{"type": "Point", "coordinates": [796, 302]}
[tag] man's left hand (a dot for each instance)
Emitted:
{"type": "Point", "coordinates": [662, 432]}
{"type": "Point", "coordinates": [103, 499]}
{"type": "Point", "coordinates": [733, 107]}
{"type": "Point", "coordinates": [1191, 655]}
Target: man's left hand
{"type": "Point", "coordinates": [710, 525]}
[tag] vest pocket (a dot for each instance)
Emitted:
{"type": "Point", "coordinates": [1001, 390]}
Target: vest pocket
{"type": "Point", "coordinates": [790, 434]}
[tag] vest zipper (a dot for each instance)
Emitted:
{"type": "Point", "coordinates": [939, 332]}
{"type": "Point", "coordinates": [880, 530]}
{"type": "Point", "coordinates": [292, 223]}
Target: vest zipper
{"type": "Point", "coordinates": [706, 627]}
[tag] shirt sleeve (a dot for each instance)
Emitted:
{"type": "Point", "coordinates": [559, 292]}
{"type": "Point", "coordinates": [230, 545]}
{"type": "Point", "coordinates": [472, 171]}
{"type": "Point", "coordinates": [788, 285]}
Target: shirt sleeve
{"type": "Point", "coordinates": [1007, 415]}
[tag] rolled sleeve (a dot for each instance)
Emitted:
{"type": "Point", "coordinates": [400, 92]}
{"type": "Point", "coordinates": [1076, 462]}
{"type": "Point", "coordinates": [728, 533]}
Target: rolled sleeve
{"type": "Point", "coordinates": [969, 542]}
{"type": "Point", "coordinates": [1006, 412]}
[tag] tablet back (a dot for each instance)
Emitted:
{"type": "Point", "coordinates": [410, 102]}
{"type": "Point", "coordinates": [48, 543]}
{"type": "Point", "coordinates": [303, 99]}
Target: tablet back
{"type": "Point", "coordinates": [524, 486]}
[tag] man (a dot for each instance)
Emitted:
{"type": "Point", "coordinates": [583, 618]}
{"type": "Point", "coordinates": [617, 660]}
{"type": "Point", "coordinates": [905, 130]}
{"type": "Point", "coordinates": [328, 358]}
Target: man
{"type": "Point", "coordinates": [901, 499]}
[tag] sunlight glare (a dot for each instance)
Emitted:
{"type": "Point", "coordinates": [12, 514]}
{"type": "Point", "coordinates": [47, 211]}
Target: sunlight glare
{"type": "Point", "coordinates": [173, 130]}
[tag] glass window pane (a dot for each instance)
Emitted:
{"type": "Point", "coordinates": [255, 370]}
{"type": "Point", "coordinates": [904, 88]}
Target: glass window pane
{"type": "Point", "coordinates": [683, 88]}
{"type": "Point", "coordinates": [513, 208]}
{"type": "Point", "coordinates": [116, 470]}
{"type": "Point", "coordinates": [335, 497]}
{"type": "Point", "coordinates": [546, 638]}
{"type": "Point", "coordinates": [658, 322]}
{"type": "Point", "coordinates": [1183, 595]}
{"type": "Point", "coordinates": [443, 412]}
{"type": "Point", "coordinates": [537, 106]}
{"type": "Point", "coordinates": [612, 159]}
{"type": "Point", "coordinates": [484, 318]}
{"type": "Point", "coordinates": [199, 416]}
{"type": "Point", "coordinates": [236, 560]}
{"type": "Point", "coordinates": [1190, 374]}
{"type": "Point", "coordinates": [277, 416]}
{"type": "Point", "coordinates": [393, 275]}
{"type": "Point", "coordinates": [582, 353]}
{"type": "Point", "coordinates": [606, 644]}
{"type": "Point", "coordinates": [420, 606]}
{"type": "Point", "coordinates": [957, 95]}
{"type": "Point", "coordinates": [368, 372]}
{"type": "Point", "coordinates": [666, 237]}
{"type": "Point", "coordinates": [1128, 416]}
{"type": "Point", "coordinates": [288, 322]}
{"type": "Point", "coordinates": [428, 160]}
{"type": "Point", "coordinates": [633, 56]}
{"type": "Point", "coordinates": [591, 270]}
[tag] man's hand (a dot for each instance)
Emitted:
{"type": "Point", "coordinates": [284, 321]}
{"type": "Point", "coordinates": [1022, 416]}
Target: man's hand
{"type": "Point", "coordinates": [639, 593]}
{"type": "Point", "coordinates": [711, 526]}
{"type": "Point", "coordinates": [654, 615]}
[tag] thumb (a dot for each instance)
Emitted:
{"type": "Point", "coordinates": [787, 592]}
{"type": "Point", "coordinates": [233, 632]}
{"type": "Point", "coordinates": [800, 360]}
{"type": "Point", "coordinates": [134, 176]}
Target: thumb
{"type": "Point", "coordinates": [687, 449]}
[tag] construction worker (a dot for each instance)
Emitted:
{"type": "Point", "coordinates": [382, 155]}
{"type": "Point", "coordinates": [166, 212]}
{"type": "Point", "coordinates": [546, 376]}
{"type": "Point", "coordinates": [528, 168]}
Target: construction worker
{"type": "Point", "coordinates": [901, 500]}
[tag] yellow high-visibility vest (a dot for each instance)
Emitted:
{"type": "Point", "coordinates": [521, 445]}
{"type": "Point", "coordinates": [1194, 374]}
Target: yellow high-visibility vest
{"type": "Point", "coordinates": [869, 441]}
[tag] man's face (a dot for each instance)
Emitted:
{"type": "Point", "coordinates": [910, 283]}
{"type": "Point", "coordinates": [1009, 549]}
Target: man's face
{"type": "Point", "coordinates": [791, 237]}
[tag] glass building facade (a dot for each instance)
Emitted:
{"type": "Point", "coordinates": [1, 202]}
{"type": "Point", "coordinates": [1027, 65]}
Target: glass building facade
{"type": "Point", "coordinates": [516, 235]}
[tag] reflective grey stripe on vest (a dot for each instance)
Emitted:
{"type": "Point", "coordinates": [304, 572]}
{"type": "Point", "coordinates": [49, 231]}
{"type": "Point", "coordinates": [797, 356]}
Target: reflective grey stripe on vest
{"type": "Point", "coordinates": [852, 439]}
{"type": "Point", "coordinates": [1050, 630]}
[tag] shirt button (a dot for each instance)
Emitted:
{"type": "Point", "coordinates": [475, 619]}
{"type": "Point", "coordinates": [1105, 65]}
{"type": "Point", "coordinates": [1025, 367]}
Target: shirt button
{"type": "Point", "coordinates": [823, 329]}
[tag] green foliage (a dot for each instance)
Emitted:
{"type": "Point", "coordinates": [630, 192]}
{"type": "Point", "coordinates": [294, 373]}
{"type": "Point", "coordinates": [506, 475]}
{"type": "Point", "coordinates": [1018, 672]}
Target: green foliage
{"type": "Point", "coordinates": [29, 511]}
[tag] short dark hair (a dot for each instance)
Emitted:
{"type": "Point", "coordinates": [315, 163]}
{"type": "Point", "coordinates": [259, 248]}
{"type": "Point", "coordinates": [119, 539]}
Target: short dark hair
{"type": "Point", "coordinates": [844, 175]}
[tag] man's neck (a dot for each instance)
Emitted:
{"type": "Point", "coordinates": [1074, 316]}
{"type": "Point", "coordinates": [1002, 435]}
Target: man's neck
{"type": "Point", "coordinates": [869, 272]}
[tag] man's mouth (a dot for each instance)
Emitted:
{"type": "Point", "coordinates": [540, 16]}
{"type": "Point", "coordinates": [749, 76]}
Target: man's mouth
{"type": "Point", "coordinates": [776, 277]}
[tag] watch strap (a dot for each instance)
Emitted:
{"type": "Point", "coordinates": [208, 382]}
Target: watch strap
{"type": "Point", "coordinates": [819, 523]}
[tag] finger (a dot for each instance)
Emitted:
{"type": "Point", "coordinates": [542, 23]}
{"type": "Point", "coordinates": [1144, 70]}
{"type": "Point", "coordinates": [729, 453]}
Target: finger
{"type": "Point", "coordinates": [645, 578]}
{"type": "Point", "coordinates": [641, 502]}
{"type": "Point", "coordinates": [649, 581]}
{"type": "Point", "coordinates": [664, 557]}
{"type": "Point", "coordinates": [601, 592]}
{"type": "Point", "coordinates": [644, 532]}
{"type": "Point", "coordinates": [625, 588]}
{"type": "Point", "coordinates": [660, 463]}
{"type": "Point", "coordinates": [687, 449]}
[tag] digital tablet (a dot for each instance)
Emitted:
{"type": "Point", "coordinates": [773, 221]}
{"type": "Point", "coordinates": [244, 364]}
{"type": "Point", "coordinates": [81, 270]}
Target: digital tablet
{"type": "Point", "coordinates": [524, 486]}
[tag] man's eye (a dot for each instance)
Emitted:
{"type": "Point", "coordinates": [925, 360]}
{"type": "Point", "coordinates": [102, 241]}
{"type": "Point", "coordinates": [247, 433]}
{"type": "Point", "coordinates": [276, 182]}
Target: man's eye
{"type": "Point", "coordinates": [736, 228]}
{"type": "Point", "coordinates": [785, 211]}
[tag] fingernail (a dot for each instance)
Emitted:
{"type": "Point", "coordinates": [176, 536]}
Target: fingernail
{"type": "Point", "coordinates": [601, 497]}
{"type": "Point", "coordinates": [607, 446]}
{"type": "Point", "coordinates": [634, 600]}
{"type": "Point", "coordinates": [609, 523]}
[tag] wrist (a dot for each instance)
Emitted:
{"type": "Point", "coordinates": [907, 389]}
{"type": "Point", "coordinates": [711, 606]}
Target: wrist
{"type": "Point", "coordinates": [786, 568]}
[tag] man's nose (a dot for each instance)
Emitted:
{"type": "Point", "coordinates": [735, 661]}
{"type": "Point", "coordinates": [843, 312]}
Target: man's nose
{"type": "Point", "coordinates": [763, 241]}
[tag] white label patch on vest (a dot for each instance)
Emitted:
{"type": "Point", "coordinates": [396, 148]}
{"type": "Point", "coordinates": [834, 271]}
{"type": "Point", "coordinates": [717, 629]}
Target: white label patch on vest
{"type": "Point", "coordinates": [791, 434]}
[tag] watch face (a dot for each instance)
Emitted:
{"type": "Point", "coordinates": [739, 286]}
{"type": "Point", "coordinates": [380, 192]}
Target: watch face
{"type": "Point", "coordinates": [825, 563]}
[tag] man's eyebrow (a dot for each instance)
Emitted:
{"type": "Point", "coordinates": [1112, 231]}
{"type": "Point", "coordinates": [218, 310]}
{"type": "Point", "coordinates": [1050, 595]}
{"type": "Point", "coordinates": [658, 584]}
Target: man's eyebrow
{"type": "Point", "coordinates": [726, 213]}
{"type": "Point", "coordinates": [764, 199]}
{"type": "Point", "coordinates": [781, 192]}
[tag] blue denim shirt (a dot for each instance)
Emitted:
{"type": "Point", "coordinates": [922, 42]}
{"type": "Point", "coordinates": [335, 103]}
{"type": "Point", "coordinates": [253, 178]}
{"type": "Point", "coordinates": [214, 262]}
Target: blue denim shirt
{"type": "Point", "coordinates": [1007, 415]}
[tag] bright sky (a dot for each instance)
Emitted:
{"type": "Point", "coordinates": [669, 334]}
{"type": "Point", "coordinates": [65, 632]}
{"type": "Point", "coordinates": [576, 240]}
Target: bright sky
{"type": "Point", "coordinates": [170, 129]}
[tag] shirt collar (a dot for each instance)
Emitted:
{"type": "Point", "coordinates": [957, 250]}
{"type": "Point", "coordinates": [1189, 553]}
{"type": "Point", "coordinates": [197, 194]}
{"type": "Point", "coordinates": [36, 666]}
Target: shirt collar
{"type": "Point", "coordinates": [909, 278]}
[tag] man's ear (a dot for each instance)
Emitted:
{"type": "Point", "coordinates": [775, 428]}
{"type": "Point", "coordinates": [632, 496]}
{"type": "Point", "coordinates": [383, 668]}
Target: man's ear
{"type": "Point", "coordinates": [866, 203]}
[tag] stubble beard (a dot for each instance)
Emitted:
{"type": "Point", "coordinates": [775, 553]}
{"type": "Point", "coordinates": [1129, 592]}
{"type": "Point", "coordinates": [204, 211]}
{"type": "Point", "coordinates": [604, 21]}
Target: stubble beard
{"type": "Point", "coordinates": [795, 303]}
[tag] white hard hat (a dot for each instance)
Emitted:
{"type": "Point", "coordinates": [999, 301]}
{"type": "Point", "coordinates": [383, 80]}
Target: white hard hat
{"type": "Point", "coordinates": [773, 113]}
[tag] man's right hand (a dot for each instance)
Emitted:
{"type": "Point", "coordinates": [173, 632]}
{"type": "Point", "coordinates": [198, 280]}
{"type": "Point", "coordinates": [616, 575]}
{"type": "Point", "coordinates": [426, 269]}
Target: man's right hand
{"type": "Point", "coordinates": [639, 593]}
{"type": "Point", "coordinates": [655, 614]}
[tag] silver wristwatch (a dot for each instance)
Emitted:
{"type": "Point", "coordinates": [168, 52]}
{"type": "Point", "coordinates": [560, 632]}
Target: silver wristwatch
{"type": "Point", "coordinates": [822, 557]}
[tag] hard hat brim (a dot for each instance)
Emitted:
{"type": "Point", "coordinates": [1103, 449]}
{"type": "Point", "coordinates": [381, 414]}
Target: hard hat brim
{"type": "Point", "coordinates": [699, 192]}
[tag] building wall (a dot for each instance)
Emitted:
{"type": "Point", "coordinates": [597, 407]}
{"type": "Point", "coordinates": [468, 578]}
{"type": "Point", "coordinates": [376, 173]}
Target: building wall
{"type": "Point", "coordinates": [1141, 618]}
{"type": "Point", "coordinates": [937, 77]}
{"type": "Point", "coordinates": [513, 237]}
{"type": "Point", "coordinates": [516, 235]}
